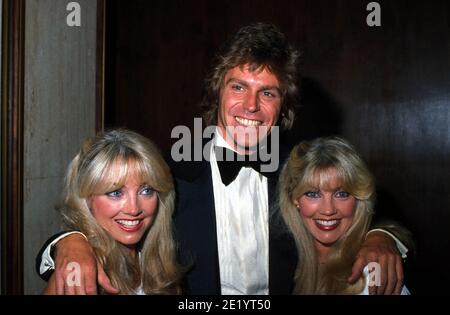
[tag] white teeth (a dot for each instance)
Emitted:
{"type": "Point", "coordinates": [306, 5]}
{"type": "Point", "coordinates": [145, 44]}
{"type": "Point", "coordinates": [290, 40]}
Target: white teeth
{"type": "Point", "coordinates": [248, 122]}
{"type": "Point", "coordinates": [327, 223]}
{"type": "Point", "coordinates": [128, 223]}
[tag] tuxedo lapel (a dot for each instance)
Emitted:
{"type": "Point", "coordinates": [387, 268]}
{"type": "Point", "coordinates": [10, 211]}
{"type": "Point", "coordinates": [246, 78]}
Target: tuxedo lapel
{"type": "Point", "coordinates": [195, 224]}
{"type": "Point", "coordinates": [282, 251]}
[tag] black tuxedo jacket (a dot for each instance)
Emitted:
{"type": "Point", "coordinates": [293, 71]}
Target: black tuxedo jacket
{"type": "Point", "coordinates": [195, 225]}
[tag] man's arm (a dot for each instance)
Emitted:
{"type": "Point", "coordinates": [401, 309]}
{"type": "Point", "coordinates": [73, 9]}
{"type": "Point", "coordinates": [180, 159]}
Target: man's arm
{"type": "Point", "coordinates": [71, 249]}
{"type": "Point", "coordinates": [382, 248]}
{"type": "Point", "coordinates": [401, 235]}
{"type": "Point", "coordinates": [50, 289]}
{"type": "Point", "coordinates": [44, 262]}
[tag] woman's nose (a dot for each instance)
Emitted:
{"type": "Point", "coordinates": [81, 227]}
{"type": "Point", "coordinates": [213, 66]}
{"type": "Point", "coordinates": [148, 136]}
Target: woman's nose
{"type": "Point", "coordinates": [132, 206]}
{"type": "Point", "coordinates": [327, 206]}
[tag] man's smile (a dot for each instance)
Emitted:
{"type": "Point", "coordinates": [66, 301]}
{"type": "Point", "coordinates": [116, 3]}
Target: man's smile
{"type": "Point", "coordinates": [248, 122]}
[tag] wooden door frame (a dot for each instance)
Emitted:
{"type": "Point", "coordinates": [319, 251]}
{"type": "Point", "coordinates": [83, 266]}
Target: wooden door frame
{"type": "Point", "coordinates": [12, 106]}
{"type": "Point", "coordinates": [13, 46]}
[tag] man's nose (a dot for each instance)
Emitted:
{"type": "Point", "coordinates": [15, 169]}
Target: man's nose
{"type": "Point", "coordinates": [251, 103]}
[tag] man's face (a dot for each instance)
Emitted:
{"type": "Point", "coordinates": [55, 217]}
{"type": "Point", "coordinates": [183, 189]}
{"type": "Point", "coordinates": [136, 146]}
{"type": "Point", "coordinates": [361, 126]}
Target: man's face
{"type": "Point", "coordinates": [250, 104]}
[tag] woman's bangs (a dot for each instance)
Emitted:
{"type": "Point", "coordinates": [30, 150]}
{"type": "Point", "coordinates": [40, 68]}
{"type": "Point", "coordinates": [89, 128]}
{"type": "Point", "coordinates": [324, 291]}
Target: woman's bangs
{"type": "Point", "coordinates": [325, 177]}
{"type": "Point", "coordinates": [112, 176]}
{"type": "Point", "coordinates": [144, 171]}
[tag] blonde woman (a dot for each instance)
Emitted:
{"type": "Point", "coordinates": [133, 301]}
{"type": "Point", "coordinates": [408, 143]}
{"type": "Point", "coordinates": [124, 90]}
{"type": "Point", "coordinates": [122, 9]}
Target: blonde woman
{"type": "Point", "coordinates": [326, 199]}
{"type": "Point", "coordinates": [120, 195]}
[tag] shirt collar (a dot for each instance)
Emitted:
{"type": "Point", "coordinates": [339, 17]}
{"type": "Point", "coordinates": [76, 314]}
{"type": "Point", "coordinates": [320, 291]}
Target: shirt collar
{"type": "Point", "coordinates": [219, 141]}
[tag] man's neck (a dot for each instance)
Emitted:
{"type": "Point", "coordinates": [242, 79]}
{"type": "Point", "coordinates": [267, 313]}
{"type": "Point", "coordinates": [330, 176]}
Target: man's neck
{"type": "Point", "coordinates": [233, 145]}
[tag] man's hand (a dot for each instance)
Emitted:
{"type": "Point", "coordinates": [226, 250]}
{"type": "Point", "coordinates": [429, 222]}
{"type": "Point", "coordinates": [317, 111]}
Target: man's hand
{"type": "Point", "coordinates": [50, 289]}
{"type": "Point", "coordinates": [68, 281]}
{"type": "Point", "coordinates": [381, 248]}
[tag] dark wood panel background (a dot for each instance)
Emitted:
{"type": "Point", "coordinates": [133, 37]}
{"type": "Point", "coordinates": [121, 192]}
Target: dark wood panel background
{"type": "Point", "coordinates": [386, 89]}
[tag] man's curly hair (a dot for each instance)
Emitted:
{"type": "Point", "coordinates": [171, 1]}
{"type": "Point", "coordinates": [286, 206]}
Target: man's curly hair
{"type": "Point", "coordinates": [258, 45]}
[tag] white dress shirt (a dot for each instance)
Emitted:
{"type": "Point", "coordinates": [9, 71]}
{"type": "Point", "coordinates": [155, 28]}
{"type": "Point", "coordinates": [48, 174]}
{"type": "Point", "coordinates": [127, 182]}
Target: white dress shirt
{"type": "Point", "coordinates": [242, 223]}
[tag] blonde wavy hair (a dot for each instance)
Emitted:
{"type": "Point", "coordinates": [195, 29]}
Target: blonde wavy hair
{"type": "Point", "coordinates": [101, 166]}
{"type": "Point", "coordinates": [308, 162]}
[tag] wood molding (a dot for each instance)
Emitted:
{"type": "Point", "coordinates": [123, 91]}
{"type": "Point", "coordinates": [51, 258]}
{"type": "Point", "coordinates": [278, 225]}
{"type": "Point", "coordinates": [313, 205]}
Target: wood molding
{"type": "Point", "coordinates": [12, 145]}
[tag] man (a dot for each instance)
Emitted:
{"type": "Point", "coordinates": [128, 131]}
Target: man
{"type": "Point", "coordinates": [226, 224]}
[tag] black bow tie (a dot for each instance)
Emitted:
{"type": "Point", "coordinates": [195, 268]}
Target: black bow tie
{"type": "Point", "coordinates": [230, 163]}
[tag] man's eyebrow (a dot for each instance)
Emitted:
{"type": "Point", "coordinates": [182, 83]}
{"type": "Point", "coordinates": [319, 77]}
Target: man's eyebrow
{"type": "Point", "coordinates": [262, 88]}
{"type": "Point", "coordinates": [237, 81]}
{"type": "Point", "coordinates": [270, 87]}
